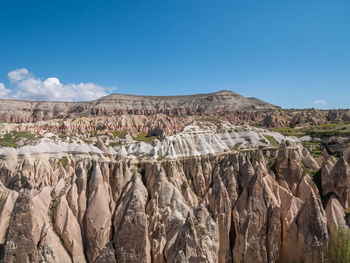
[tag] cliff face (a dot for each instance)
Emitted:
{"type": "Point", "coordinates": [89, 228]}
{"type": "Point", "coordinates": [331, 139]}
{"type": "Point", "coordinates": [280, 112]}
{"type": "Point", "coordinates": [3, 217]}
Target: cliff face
{"type": "Point", "coordinates": [249, 206]}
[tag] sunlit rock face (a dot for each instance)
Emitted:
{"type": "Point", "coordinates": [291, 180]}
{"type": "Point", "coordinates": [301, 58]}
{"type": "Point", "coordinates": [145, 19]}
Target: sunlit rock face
{"type": "Point", "coordinates": [98, 182]}
{"type": "Point", "coordinates": [252, 205]}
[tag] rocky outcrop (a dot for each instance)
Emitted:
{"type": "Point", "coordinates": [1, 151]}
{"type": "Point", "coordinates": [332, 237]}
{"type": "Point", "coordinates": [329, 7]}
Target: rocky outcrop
{"type": "Point", "coordinates": [238, 206]}
{"type": "Point", "coordinates": [131, 223]}
{"type": "Point", "coordinates": [21, 237]}
{"type": "Point", "coordinates": [98, 215]}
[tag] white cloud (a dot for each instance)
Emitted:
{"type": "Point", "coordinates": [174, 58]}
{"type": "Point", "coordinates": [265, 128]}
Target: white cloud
{"type": "Point", "coordinates": [323, 102]}
{"type": "Point", "coordinates": [18, 75]}
{"type": "Point", "coordinates": [28, 87]}
{"type": "Point", "coordinates": [3, 91]}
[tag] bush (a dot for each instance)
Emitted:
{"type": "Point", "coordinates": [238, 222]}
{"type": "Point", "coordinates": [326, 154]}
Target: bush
{"type": "Point", "coordinates": [120, 135]}
{"type": "Point", "coordinates": [272, 140]}
{"type": "Point", "coordinates": [1, 198]}
{"type": "Point", "coordinates": [339, 246]}
{"type": "Point", "coordinates": [64, 162]}
{"type": "Point", "coordinates": [144, 138]}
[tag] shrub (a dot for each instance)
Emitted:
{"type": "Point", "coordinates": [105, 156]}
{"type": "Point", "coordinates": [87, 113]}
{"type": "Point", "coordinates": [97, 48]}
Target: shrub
{"type": "Point", "coordinates": [339, 246]}
{"type": "Point", "coordinates": [64, 162]}
{"type": "Point", "coordinates": [120, 135]}
{"type": "Point", "coordinates": [184, 186]}
{"type": "Point", "coordinates": [144, 138]}
{"type": "Point", "coordinates": [271, 140]}
{"type": "Point", "coordinates": [1, 198]}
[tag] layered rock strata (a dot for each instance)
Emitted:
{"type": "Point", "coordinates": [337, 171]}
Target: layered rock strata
{"type": "Point", "coordinates": [236, 206]}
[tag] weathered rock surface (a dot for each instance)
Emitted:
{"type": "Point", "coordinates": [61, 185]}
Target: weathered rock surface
{"type": "Point", "coordinates": [120, 104]}
{"type": "Point", "coordinates": [229, 207]}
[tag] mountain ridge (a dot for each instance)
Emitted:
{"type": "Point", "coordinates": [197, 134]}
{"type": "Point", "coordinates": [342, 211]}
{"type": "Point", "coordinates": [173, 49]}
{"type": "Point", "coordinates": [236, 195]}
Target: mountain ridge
{"type": "Point", "coordinates": [123, 104]}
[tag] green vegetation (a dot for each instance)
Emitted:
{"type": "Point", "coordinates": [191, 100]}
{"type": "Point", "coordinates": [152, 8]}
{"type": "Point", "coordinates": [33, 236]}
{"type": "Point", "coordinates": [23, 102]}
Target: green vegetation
{"type": "Point", "coordinates": [208, 120]}
{"type": "Point", "coordinates": [316, 153]}
{"type": "Point", "coordinates": [1, 198]}
{"type": "Point", "coordinates": [315, 148]}
{"type": "Point", "coordinates": [160, 157]}
{"type": "Point", "coordinates": [9, 139]}
{"type": "Point", "coordinates": [320, 131]}
{"type": "Point", "coordinates": [112, 144]}
{"type": "Point", "coordinates": [200, 230]}
{"type": "Point", "coordinates": [184, 186]}
{"type": "Point", "coordinates": [237, 145]}
{"type": "Point", "coordinates": [144, 138]}
{"type": "Point", "coordinates": [62, 136]}
{"type": "Point", "coordinates": [339, 246]}
{"type": "Point", "coordinates": [290, 132]}
{"type": "Point", "coordinates": [93, 134]}
{"type": "Point", "coordinates": [56, 199]}
{"type": "Point", "coordinates": [272, 140]}
{"type": "Point", "coordinates": [310, 172]}
{"type": "Point", "coordinates": [120, 135]}
{"type": "Point", "coordinates": [64, 161]}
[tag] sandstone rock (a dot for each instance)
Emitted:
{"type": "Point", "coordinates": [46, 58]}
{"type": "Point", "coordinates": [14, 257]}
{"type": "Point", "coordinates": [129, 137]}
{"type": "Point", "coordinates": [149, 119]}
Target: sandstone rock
{"type": "Point", "coordinates": [50, 248]}
{"type": "Point", "coordinates": [312, 222]}
{"type": "Point", "coordinates": [335, 215]}
{"type": "Point", "coordinates": [6, 206]}
{"type": "Point", "coordinates": [131, 224]}
{"type": "Point", "coordinates": [67, 227]}
{"type": "Point", "coordinates": [336, 179]}
{"type": "Point", "coordinates": [288, 167]}
{"type": "Point", "coordinates": [107, 254]}
{"type": "Point", "coordinates": [20, 246]}
{"type": "Point", "coordinates": [97, 227]}
{"type": "Point", "coordinates": [221, 208]}
{"type": "Point", "coordinates": [308, 161]}
{"type": "Point", "coordinates": [257, 223]}
{"type": "Point", "coordinates": [185, 247]}
{"type": "Point", "coordinates": [214, 208]}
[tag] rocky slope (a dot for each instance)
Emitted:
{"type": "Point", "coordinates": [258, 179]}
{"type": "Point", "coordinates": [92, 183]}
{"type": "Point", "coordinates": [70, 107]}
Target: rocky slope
{"type": "Point", "coordinates": [122, 179]}
{"type": "Point", "coordinates": [120, 104]}
{"type": "Point", "coordinates": [254, 203]}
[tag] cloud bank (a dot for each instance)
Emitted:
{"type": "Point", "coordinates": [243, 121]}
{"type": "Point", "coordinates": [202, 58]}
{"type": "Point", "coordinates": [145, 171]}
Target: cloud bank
{"type": "Point", "coordinates": [28, 87]}
{"type": "Point", "coordinates": [322, 102]}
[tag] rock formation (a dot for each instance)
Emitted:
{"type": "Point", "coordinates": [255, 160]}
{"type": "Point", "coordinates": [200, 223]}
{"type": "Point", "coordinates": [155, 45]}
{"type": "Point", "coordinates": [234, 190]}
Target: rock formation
{"type": "Point", "coordinates": [195, 187]}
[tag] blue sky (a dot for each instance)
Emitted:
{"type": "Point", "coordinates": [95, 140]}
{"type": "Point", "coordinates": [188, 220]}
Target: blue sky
{"type": "Point", "coordinates": [290, 53]}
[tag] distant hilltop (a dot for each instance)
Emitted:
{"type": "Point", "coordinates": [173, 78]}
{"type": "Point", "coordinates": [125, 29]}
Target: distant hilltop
{"type": "Point", "coordinates": [119, 104]}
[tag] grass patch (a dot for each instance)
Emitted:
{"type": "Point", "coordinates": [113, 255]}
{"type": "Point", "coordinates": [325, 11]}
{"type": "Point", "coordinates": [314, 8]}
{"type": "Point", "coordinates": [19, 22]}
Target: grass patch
{"type": "Point", "coordinates": [316, 153]}
{"type": "Point", "coordinates": [320, 131]}
{"type": "Point", "coordinates": [315, 148]}
{"type": "Point", "coordinates": [9, 139]}
{"type": "Point", "coordinates": [311, 173]}
{"type": "Point", "coordinates": [64, 161]}
{"type": "Point", "coordinates": [144, 138]}
{"type": "Point", "coordinates": [290, 132]}
{"type": "Point", "coordinates": [271, 140]}
{"type": "Point", "coordinates": [120, 135]}
{"type": "Point", "coordinates": [208, 120]}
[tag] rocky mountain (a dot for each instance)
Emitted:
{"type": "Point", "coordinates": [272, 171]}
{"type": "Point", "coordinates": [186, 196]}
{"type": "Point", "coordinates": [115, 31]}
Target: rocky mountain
{"type": "Point", "coordinates": [29, 111]}
{"type": "Point", "coordinates": [168, 179]}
